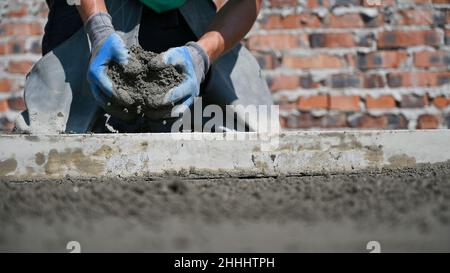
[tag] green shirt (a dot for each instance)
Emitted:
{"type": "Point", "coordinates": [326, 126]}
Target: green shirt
{"type": "Point", "coordinates": [163, 5]}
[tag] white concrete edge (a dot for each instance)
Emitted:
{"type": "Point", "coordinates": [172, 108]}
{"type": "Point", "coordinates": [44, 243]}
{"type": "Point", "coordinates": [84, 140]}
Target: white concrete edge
{"type": "Point", "coordinates": [209, 154]}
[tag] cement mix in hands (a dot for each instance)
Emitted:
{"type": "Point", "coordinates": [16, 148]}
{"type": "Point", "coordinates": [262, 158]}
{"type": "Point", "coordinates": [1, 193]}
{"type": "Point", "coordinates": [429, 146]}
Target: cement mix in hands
{"type": "Point", "coordinates": [141, 85]}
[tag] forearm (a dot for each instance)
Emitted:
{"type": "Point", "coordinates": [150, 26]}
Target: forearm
{"type": "Point", "coordinates": [233, 21]}
{"type": "Point", "coordinates": [87, 8]}
{"type": "Point", "coordinates": [97, 21]}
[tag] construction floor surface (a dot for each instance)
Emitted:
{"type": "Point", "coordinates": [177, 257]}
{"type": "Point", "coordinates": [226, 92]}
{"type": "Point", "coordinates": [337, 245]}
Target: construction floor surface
{"type": "Point", "coordinates": [403, 210]}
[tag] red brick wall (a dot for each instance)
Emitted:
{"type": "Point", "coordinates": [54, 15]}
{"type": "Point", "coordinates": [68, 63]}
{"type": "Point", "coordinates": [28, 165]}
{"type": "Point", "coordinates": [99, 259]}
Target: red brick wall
{"type": "Point", "coordinates": [21, 28]}
{"type": "Point", "coordinates": [357, 63]}
{"type": "Point", "coordinates": [329, 63]}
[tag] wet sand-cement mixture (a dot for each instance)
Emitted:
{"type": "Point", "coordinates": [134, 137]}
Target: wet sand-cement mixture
{"type": "Point", "coordinates": [404, 210]}
{"type": "Point", "coordinates": [141, 85]}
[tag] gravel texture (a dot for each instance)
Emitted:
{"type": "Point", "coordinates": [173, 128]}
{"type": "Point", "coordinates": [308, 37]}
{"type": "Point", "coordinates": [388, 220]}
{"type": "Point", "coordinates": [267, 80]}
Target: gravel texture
{"type": "Point", "coordinates": [404, 210]}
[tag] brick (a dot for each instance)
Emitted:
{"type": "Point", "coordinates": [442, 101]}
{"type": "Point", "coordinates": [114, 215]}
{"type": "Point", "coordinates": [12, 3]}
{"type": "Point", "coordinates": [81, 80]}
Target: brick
{"type": "Point", "coordinates": [413, 101]}
{"type": "Point", "coordinates": [415, 17]}
{"type": "Point", "coordinates": [378, 3]}
{"type": "Point", "coordinates": [441, 18]}
{"type": "Point", "coordinates": [373, 81]}
{"type": "Point", "coordinates": [267, 60]}
{"type": "Point", "coordinates": [3, 106]}
{"type": "Point", "coordinates": [347, 2]}
{"type": "Point", "coordinates": [5, 85]}
{"type": "Point", "coordinates": [17, 11]}
{"type": "Point", "coordinates": [439, 1]}
{"type": "Point", "coordinates": [313, 102]}
{"type": "Point", "coordinates": [12, 47]}
{"type": "Point", "coordinates": [432, 59]}
{"type": "Point", "coordinates": [312, 4]}
{"type": "Point", "coordinates": [282, 3]}
{"type": "Point", "coordinates": [333, 40]}
{"type": "Point", "coordinates": [21, 29]}
{"type": "Point", "coordinates": [418, 79]}
{"type": "Point", "coordinates": [366, 40]}
{"type": "Point", "coordinates": [286, 103]}
{"type": "Point", "coordinates": [292, 21]}
{"type": "Point", "coordinates": [307, 82]}
{"type": "Point", "coordinates": [318, 61]}
{"type": "Point", "coordinates": [283, 82]}
{"type": "Point", "coordinates": [372, 122]}
{"type": "Point", "coordinates": [19, 67]}
{"type": "Point", "coordinates": [345, 80]}
{"type": "Point", "coordinates": [398, 80]}
{"type": "Point", "coordinates": [441, 101]}
{"type": "Point", "coordinates": [287, 106]}
{"type": "Point", "coordinates": [296, 122]}
{"type": "Point", "coordinates": [344, 103]}
{"type": "Point", "coordinates": [382, 59]}
{"type": "Point", "coordinates": [400, 39]}
{"type": "Point", "coordinates": [419, 2]}
{"type": "Point", "coordinates": [307, 120]}
{"type": "Point", "coordinates": [382, 102]}
{"type": "Point", "coordinates": [415, 2]}
{"type": "Point", "coordinates": [277, 41]}
{"type": "Point", "coordinates": [349, 20]}
{"type": "Point", "coordinates": [396, 122]}
{"type": "Point", "coordinates": [351, 60]}
{"type": "Point", "coordinates": [428, 122]}
{"type": "Point", "coordinates": [338, 120]}
{"type": "Point", "coordinates": [16, 104]}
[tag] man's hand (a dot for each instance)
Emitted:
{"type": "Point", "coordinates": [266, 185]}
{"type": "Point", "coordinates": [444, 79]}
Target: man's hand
{"type": "Point", "coordinates": [106, 46]}
{"type": "Point", "coordinates": [194, 63]}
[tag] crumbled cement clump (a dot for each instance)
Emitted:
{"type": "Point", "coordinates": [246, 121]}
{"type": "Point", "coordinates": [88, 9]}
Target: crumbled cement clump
{"type": "Point", "coordinates": [141, 85]}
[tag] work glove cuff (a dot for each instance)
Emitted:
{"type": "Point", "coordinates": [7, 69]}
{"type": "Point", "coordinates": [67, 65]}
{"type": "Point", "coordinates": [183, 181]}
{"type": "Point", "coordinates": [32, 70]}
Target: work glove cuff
{"type": "Point", "coordinates": [200, 59]}
{"type": "Point", "coordinates": [98, 27]}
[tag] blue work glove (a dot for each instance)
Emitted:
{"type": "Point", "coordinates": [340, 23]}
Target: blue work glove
{"type": "Point", "coordinates": [194, 63]}
{"type": "Point", "coordinates": [106, 46]}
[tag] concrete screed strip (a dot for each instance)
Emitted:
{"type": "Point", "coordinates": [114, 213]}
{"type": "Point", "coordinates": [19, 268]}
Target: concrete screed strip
{"type": "Point", "coordinates": [218, 155]}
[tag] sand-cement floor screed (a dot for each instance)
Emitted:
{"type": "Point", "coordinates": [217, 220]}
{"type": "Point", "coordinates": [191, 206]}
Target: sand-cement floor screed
{"type": "Point", "coordinates": [306, 192]}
